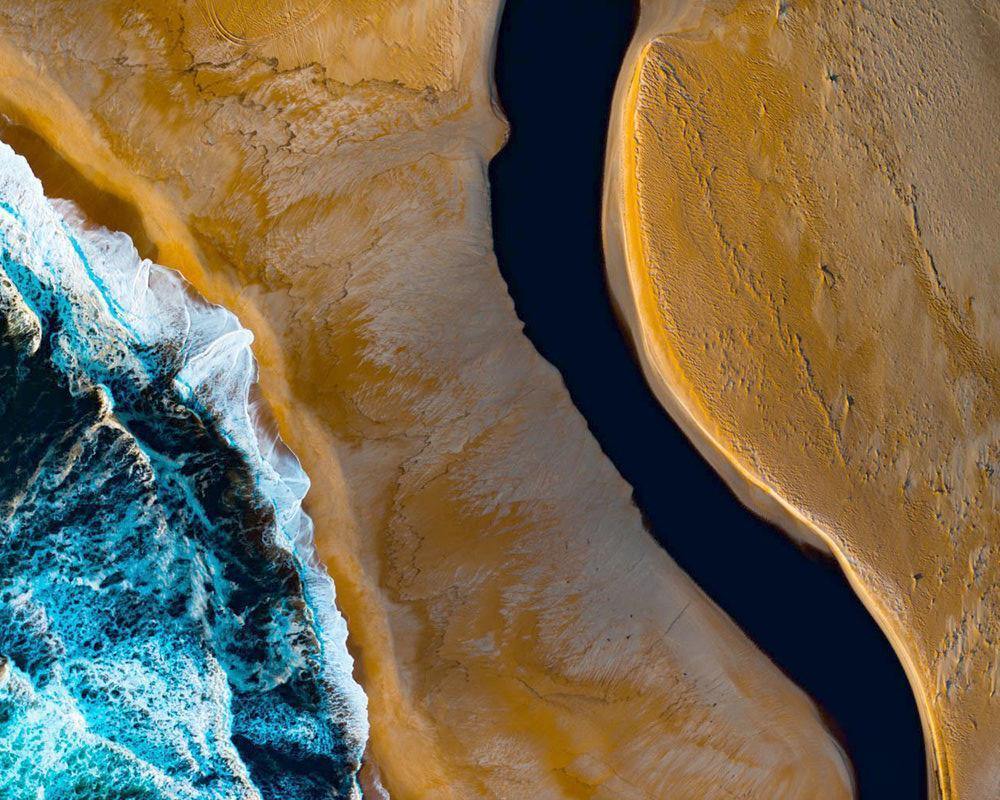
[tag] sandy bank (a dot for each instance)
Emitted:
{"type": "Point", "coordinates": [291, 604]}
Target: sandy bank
{"type": "Point", "coordinates": [322, 174]}
{"type": "Point", "coordinates": [800, 226]}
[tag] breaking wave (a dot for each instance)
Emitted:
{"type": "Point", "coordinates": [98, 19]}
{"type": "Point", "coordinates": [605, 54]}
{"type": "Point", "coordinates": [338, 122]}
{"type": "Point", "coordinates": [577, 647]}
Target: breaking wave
{"type": "Point", "coordinates": [165, 629]}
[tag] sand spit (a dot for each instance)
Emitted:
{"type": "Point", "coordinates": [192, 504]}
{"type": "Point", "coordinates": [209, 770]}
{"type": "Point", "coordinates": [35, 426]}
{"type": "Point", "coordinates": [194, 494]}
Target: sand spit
{"type": "Point", "coordinates": [801, 224]}
{"type": "Point", "coordinates": [321, 172]}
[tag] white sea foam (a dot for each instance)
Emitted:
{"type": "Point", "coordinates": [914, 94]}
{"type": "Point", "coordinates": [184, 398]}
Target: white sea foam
{"type": "Point", "coordinates": [121, 314]}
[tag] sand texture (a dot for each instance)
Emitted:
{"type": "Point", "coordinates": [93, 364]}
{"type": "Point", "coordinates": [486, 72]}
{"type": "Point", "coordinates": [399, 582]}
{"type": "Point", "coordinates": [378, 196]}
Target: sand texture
{"type": "Point", "coordinates": [803, 237]}
{"type": "Point", "coordinates": [320, 170]}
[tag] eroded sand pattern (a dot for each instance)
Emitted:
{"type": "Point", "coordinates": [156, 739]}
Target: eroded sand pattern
{"type": "Point", "coordinates": [320, 171]}
{"type": "Point", "coordinates": [802, 224]}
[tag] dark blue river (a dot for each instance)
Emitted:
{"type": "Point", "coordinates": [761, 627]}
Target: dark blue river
{"type": "Point", "coordinates": [557, 63]}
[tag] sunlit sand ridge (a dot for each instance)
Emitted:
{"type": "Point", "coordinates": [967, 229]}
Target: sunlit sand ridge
{"type": "Point", "coordinates": [320, 171]}
{"type": "Point", "coordinates": [802, 233]}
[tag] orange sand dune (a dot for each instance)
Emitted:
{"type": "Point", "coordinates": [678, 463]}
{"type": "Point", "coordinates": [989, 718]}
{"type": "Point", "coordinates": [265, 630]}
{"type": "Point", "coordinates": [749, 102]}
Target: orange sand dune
{"type": "Point", "coordinates": [802, 221]}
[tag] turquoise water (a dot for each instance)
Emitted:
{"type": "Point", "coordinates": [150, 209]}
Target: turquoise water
{"type": "Point", "coordinates": [165, 631]}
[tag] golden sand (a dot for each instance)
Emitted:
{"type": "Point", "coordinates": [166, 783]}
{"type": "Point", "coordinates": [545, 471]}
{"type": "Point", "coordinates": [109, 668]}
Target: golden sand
{"type": "Point", "coordinates": [803, 234]}
{"type": "Point", "coordinates": [320, 169]}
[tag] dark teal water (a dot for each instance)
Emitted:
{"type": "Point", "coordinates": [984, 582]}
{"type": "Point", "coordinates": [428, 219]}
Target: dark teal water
{"type": "Point", "coordinates": [557, 63]}
{"type": "Point", "coordinates": [164, 630]}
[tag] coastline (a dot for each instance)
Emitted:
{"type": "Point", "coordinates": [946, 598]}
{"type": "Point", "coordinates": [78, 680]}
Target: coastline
{"type": "Point", "coordinates": [129, 333]}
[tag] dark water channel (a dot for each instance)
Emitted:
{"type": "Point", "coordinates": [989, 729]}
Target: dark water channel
{"type": "Point", "coordinates": [557, 63]}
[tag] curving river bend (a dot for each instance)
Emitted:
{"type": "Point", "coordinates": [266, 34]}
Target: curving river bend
{"type": "Point", "coordinates": [557, 63]}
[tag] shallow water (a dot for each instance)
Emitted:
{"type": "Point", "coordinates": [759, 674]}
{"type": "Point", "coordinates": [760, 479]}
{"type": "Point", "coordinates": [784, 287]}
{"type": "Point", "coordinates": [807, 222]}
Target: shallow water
{"type": "Point", "coordinates": [165, 631]}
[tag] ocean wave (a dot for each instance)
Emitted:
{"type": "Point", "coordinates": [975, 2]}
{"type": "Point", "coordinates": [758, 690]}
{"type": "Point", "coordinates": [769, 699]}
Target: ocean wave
{"type": "Point", "coordinates": [165, 628]}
